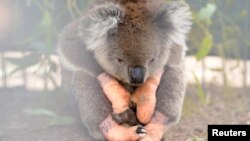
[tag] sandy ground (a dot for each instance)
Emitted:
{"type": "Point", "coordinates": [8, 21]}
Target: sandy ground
{"type": "Point", "coordinates": [16, 125]}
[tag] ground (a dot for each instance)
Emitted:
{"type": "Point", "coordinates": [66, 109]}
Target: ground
{"type": "Point", "coordinates": [20, 119]}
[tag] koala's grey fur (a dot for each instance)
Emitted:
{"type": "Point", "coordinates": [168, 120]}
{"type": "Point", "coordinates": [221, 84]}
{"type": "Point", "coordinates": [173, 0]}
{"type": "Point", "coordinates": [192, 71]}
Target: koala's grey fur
{"type": "Point", "coordinates": [137, 31]}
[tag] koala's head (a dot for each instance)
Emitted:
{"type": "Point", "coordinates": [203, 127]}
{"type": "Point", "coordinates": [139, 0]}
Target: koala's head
{"type": "Point", "coordinates": [133, 40]}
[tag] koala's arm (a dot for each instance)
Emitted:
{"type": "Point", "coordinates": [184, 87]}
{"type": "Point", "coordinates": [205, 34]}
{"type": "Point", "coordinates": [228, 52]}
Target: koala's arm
{"type": "Point", "coordinates": [93, 106]}
{"type": "Point", "coordinates": [171, 91]}
{"type": "Point", "coordinates": [79, 73]}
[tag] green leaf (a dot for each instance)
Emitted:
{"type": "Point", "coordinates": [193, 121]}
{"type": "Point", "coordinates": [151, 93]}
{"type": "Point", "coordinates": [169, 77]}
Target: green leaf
{"type": "Point", "coordinates": [243, 13]}
{"type": "Point", "coordinates": [34, 35]}
{"type": "Point", "coordinates": [62, 121]}
{"type": "Point", "coordinates": [195, 138]}
{"type": "Point", "coordinates": [207, 12]}
{"type": "Point", "coordinates": [201, 93]}
{"type": "Point", "coordinates": [47, 19]}
{"type": "Point", "coordinates": [205, 47]}
{"type": "Point", "coordinates": [24, 62]}
{"type": "Point", "coordinates": [40, 47]}
{"type": "Point", "coordinates": [39, 112]}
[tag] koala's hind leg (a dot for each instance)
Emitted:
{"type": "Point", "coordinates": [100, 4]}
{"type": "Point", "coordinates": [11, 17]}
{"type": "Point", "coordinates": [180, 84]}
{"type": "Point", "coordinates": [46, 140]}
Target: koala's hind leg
{"type": "Point", "coordinates": [93, 106]}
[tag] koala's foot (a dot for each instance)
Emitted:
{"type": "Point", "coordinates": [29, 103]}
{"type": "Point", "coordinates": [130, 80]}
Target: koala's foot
{"type": "Point", "coordinates": [126, 117]}
{"type": "Point", "coordinates": [115, 132]}
{"type": "Point", "coordinates": [156, 129]}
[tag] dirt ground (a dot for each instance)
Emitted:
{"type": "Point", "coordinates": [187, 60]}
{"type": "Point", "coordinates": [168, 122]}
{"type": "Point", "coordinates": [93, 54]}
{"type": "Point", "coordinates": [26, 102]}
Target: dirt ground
{"type": "Point", "coordinates": [224, 107]}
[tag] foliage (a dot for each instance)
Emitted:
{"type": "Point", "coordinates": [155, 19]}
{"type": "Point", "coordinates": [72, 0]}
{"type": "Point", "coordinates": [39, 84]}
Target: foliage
{"type": "Point", "coordinates": [226, 22]}
{"type": "Point", "coordinates": [219, 29]}
{"type": "Point", "coordinates": [200, 92]}
{"type": "Point", "coordinates": [39, 112]}
{"type": "Point", "coordinates": [195, 138]}
{"type": "Point", "coordinates": [203, 19]}
{"type": "Point", "coordinates": [41, 43]}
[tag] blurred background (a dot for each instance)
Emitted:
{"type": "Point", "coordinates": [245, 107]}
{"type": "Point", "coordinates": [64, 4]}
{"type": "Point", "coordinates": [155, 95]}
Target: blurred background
{"type": "Point", "coordinates": [33, 107]}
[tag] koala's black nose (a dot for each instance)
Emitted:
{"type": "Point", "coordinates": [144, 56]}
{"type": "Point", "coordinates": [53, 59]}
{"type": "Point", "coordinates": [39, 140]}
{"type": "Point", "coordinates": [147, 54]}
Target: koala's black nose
{"type": "Point", "coordinates": [137, 74]}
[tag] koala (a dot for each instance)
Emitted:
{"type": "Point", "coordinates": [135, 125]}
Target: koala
{"type": "Point", "coordinates": [129, 40]}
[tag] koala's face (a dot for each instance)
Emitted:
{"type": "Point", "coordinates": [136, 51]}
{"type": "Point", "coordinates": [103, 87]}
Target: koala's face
{"type": "Point", "coordinates": [132, 56]}
{"type": "Point", "coordinates": [130, 42]}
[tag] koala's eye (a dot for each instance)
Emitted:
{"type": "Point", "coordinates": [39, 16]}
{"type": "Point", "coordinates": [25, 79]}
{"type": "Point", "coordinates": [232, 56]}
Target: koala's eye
{"type": "Point", "coordinates": [152, 60]}
{"type": "Point", "coordinates": [120, 61]}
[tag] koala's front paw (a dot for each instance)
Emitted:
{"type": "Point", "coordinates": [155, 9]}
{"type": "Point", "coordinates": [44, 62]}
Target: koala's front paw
{"type": "Point", "coordinates": [126, 117]}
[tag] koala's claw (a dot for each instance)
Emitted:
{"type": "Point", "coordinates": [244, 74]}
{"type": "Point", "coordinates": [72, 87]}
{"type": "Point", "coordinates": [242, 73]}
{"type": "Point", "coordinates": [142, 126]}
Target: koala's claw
{"type": "Point", "coordinates": [141, 130]}
{"type": "Point", "coordinates": [126, 117]}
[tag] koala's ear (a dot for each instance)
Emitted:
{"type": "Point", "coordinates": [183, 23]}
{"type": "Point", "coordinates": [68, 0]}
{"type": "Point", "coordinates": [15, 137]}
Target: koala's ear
{"type": "Point", "coordinates": [98, 23]}
{"type": "Point", "coordinates": [174, 21]}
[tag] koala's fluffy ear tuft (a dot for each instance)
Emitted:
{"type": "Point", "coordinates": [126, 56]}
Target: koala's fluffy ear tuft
{"type": "Point", "coordinates": [98, 23]}
{"type": "Point", "coordinates": [174, 21]}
